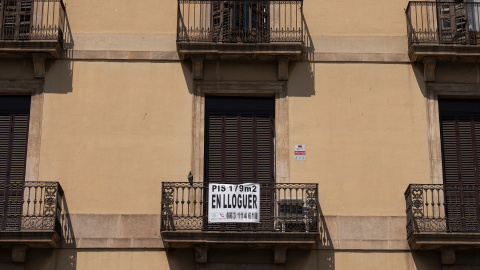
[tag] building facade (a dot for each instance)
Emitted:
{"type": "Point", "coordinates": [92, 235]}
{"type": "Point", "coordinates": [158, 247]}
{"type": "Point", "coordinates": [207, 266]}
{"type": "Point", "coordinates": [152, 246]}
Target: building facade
{"type": "Point", "coordinates": [359, 122]}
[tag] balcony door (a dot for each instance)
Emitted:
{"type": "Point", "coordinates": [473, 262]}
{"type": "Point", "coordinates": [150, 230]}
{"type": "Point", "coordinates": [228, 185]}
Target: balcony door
{"type": "Point", "coordinates": [240, 21]}
{"type": "Point", "coordinates": [16, 18]}
{"type": "Point", "coordinates": [460, 135]}
{"type": "Point", "coordinates": [239, 147]}
{"type": "Point", "coordinates": [14, 119]}
{"type": "Point", "coordinates": [453, 22]}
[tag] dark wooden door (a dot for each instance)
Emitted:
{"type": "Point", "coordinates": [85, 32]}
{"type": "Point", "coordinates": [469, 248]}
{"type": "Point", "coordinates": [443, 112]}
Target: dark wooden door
{"type": "Point", "coordinates": [460, 133]}
{"type": "Point", "coordinates": [239, 147]}
{"type": "Point", "coordinates": [14, 119]}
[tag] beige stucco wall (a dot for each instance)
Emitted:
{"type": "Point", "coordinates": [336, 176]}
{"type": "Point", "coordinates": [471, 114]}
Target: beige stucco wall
{"type": "Point", "coordinates": [113, 131]}
{"type": "Point", "coordinates": [116, 134]}
{"type": "Point", "coordinates": [365, 129]}
{"type": "Point", "coordinates": [117, 122]}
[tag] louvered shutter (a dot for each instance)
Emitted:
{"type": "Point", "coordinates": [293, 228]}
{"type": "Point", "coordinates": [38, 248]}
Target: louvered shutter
{"type": "Point", "coordinates": [13, 153]}
{"type": "Point", "coordinates": [260, 22]}
{"type": "Point", "coordinates": [452, 19]}
{"type": "Point", "coordinates": [460, 132]}
{"type": "Point", "coordinates": [221, 21]}
{"type": "Point", "coordinates": [16, 19]}
{"type": "Point", "coordinates": [239, 148]}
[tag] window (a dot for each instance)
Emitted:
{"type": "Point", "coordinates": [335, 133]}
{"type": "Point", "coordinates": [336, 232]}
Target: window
{"type": "Point", "coordinates": [16, 17]}
{"type": "Point", "coordinates": [239, 145]}
{"type": "Point", "coordinates": [239, 142]}
{"type": "Point", "coordinates": [14, 122]}
{"type": "Point", "coordinates": [460, 137]}
{"type": "Point", "coordinates": [240, 21]}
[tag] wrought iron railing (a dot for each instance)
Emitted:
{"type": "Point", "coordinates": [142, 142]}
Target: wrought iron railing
{"type": "Point", "coordinates": [240, 21]}
{"type": "Point", "coordinates": [443, 23]}
{"type": "Point", "coordinates": [32, 20]}
{"type": "Point", "coordinates": [442, 208]}
{"type": "Point", "coordinates": [283, 208]}
{"type": "Point", "coordinates": [31, 206]}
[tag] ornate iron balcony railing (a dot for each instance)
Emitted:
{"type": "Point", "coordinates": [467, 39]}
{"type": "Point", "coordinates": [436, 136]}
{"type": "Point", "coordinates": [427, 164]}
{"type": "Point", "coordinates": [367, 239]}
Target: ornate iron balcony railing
{"type": "Point", "coordinates": [442, 208]}
{"type": "Point", "coordinates": [30, 206]}
{"type": "Point", "coordinates": [40, 20]}
{"type": "Point", "coordinates": [443, 23]}
{"type": "Point", "coordinates": [240, 21]}
{"type": "Point", "coordinates": [283, 208]}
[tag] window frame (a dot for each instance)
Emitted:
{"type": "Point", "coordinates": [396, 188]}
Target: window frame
{"type": "Point", "coordinates": [249, 89]}
{"type": "Point", "coordinates": [445, 91]}
{"type": "Point", "coordinates": [34, 88]}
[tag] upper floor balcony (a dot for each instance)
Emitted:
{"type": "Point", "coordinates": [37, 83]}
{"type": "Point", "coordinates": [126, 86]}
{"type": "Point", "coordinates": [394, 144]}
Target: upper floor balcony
{"type": "Point", "coordinates": [288, 217]}
{"type": "Point", "coordinates": [31, 27]}
{"type": "Point", "coordinates": [30, 214]}
{"type": "Point", "coordinates": [440, 216]}
{"type": "Point", "coordinates": [445, 31]}
{"type": "Point", "coordinates": [239, 29]}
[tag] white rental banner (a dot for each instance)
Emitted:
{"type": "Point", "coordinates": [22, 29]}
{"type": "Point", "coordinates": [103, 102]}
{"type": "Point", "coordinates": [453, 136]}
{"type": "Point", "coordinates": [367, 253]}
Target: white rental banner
{"type": "Point", "coordinates": [234, 203]}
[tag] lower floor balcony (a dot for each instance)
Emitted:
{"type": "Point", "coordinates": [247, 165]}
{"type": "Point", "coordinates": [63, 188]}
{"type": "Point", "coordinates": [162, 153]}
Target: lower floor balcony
{"type": "Point", "coordinates": [443, 216]}
{"type": "Point", "coordinates": [30, 214]}
{"type": "Point", "coordinates": [245, 215]}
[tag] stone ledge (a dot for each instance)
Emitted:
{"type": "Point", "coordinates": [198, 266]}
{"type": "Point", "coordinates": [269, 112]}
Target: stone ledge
{"type": "Point", "coordinates": [12, 48]}
{"type": "Point", "coordinates": [186, 239]}
{"type": "Point", "coordinates": [445, 52]}
{"type": "Point", "coordinates": [437, 240]}
{"type": "Point", "coordinates": [32, 239]}
{"type": "Point", "coordinates": [120, 243]}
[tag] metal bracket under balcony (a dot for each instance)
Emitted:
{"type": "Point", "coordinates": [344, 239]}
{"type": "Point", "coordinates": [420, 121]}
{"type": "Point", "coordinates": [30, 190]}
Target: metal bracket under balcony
{"type": "Point", "coordinates": [240, 29]}
{"type": "Point", "coordinates": [446, 31]}
{"type": "Point", "coordinates": [289, 217]}
{"type": "Point", "coordinates": [441, 216]}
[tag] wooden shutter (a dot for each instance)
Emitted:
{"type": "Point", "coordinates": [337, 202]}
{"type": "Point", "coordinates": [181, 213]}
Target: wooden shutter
{"type": "Point", "coordinates": [452, 20]}
{"type": "Point", "coordinates": [13, 153]}
{"type": "Point", "coordinates": [16, 19]}
{"type": "Point", "coordinates": [239, 148]}
{"type": "Point", "coordinates": [242, 21]}
{"type": "Point", "coordinates": [260, 22]}
{"type": "Point", "coordinates": [460, 132]}
{"type": "Point", "coordinates": [221, 21]}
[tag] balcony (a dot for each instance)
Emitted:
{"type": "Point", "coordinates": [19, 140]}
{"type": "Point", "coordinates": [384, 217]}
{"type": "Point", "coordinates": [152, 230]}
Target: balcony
{"type": "Point", "coordinates": [440, 216]}
{"type": "Point", "coordinates": [32, 27]}
{"type": "Point", "coordinates": [30, 214]}
{"type": "Point", "coordinates": [289, 217]}
{"type": "Point", "coordinates": [240, 30]}
{"type": "Point", "coordinates": [443, 31]}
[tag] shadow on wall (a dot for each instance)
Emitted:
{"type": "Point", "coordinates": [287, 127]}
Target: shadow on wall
{"type": "Point", "coordinates": [61, 70]}
{"type": "Point", "coordinates": [301, 81]}
{"type": "Point", "coordinates": [66, 257]}
{"type": "Point", "coordinates": [418, 71]}
{"type": "Point", "coordinates": [187, 73]}
{"type": "Point", "coordinates": [427, 260]}
{"type": "Point", "coordinates": [181, 259]}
